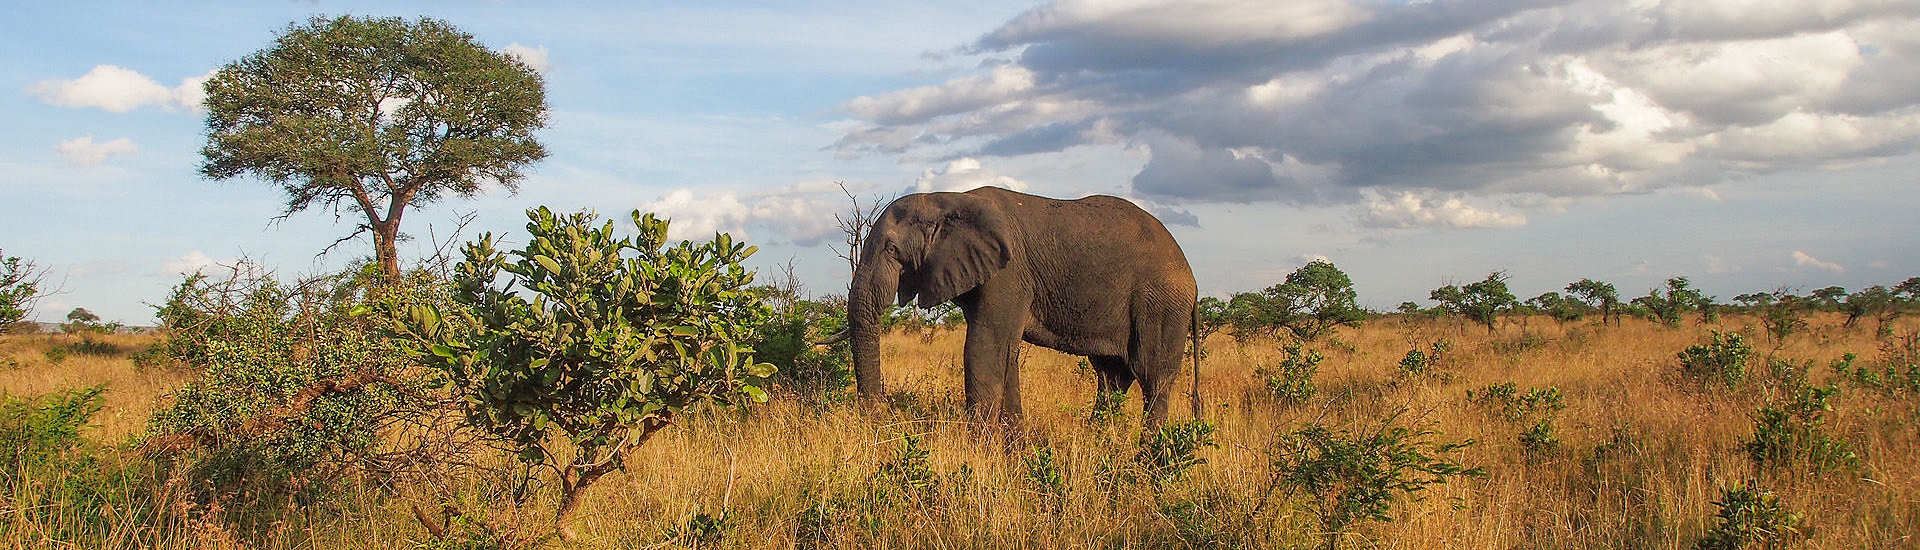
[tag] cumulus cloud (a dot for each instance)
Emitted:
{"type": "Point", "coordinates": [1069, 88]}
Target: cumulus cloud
{"type": "Point", "coordinates": [119, 90]}
{"type": "Point", "coordinates": [802, 214]}
{"type": "Point", "coordinates": [189, 263]}
{"type": "Point", "coordinates": [1411, 210]}
{"type": "Point", "coordinates": [82, 151]}
{"type": "Point", "coordinates": [963, 174]}
{"type": "Point", "coordinates": [533, 56]}
{"type": "Point", "coordinates": [1349, 101]}
{"type": "Point", "coordinates": [1804, 260]}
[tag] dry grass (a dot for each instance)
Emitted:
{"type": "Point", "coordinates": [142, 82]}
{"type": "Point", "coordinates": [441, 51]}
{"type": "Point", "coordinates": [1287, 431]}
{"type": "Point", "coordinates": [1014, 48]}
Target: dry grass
{"type": "Point", "coordinates": [767, 467]}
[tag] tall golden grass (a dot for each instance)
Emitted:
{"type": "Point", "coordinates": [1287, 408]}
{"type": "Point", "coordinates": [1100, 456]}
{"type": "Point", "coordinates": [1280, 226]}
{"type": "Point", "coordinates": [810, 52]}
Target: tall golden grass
{"type": "Point", "coordinates": [1675, 444]}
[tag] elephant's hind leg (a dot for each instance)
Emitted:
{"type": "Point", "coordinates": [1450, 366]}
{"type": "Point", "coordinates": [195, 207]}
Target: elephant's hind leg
{"type": "Point", "coordinates": [1159, 343]}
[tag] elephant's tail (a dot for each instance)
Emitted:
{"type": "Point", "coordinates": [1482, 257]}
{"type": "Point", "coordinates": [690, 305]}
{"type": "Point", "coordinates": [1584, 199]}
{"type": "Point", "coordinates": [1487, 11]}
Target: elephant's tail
{"type": "Point", "coordinates": [1193, 332]}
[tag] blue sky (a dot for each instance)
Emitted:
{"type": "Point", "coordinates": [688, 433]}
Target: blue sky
{"type": "Point", "coordinates": [1418, 144]}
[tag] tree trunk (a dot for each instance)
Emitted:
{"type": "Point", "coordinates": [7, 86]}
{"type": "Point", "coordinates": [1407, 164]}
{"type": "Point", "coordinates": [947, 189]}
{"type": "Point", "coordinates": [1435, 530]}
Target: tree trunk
{"type": "Point", "coordinates": [384, 236]}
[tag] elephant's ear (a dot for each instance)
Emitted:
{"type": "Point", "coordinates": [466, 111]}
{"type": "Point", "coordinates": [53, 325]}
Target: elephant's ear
{"type": "Point", "coordinates": [969, 245]}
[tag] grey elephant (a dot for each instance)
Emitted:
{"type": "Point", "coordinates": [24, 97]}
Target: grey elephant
{"type": "Point", "coordinates": [1096, 276]}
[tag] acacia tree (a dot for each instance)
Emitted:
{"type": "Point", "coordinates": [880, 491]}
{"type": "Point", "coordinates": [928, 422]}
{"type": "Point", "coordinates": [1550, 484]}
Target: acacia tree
{"type": "Point", "coordinates": [1560, 308]}
{"type": "Point", "coordinates": [1600, 295]}
{"type": "Point", "coordinates": [1482, 301]}
{"type": "Point", "coordinates": [19, 289]}
{"type": "Point", "coordinates": [1313, 300]}
{"type": "Point", "coordinates": [376, 115]}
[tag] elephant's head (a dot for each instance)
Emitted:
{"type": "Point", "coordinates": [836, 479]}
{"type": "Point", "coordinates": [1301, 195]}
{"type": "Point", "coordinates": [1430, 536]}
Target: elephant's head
{"type": "Point", "coordinates": [929, 246]}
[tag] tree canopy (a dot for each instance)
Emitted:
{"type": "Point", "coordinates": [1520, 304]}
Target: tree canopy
{"type": "Point", "coordinates": [374, 114]}
{"type": "Point", "coordinates": [1483, 301]}
{"type": "Point", "coordinates": [19, 289]}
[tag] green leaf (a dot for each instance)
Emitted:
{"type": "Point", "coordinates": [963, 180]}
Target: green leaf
{"type": "Point", "coordinates": [548, 263]}
{"type": "Point", "coordinates": [443, 351]}
{"type": "Point", "coordinates": [755, 393]}
{"type": "Point", "coordinates": [761, 370]}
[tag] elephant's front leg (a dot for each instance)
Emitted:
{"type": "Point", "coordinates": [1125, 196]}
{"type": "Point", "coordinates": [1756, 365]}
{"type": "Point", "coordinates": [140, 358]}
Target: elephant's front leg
{"type": "Point", "coordinates": [993, 368]}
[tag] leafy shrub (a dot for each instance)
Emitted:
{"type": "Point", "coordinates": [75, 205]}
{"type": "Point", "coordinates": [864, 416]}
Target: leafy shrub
{"type": "Point", "coordinates": [701, 530]}
{"type": "Point", "coordinates": [1417, 364]}
{"type": "Point", "coordinates": [1109, 408]}
{"type": "Point", "coordinates": [35, 432]}
{"type": "Point", "coordinates": [1043, 473]}
{"type": "Point", "coordinates": [1795, 433]}
{"type": "Point", "coordinates": [1722, 358]}
{"type": "Point", "coordinates": [909, 473]}
{"type": "Point", "coordinates": [291, 388]}
{"type": "Point", "coordinates": [1509, 403]}
{"type": "Point", "coordinates": [1536, 406]}
{"type": "Point", "coordinates": [1897, 369]}
{"type": "Point", "coordinates": [56, 354]}
{"type": "Point", "coordinates": [1170, 451]}
{"type": "Point", "coordinates": [1291, 381]}
{"type": "Point", "coordinates": [621, 337]}
{"type": "Point", "coordinates": [1751, 516]}
{"type": "Point", "coordinates": [19, 289]}
{"type": "Point", "coordinates": [56, 484]}
{"type": "Point", "coordinates": [786, 342]}
{"type": "Point", "coordinates": [1355, 477]}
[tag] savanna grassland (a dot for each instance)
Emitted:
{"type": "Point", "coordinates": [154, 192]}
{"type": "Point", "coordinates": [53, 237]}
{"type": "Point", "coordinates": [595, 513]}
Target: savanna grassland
{"type": "Point", "coordinates": [1637, 457]}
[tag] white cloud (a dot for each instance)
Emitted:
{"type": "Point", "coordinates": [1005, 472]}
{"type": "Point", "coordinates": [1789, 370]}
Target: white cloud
{"type": "Point", "coordinates": [119, 90]}
{"type": "Point", "coordinates": [962, 175]}
{"type": "Point", "coordinates": [916, 104]}
{"type": "Point", "coordinates": [82, 151]}
{"type": "Point", "coordinates": [802, 214]}
{"type": "Point", "coordinates": [1805, 260]}
{"type": "Point", "coordinates": [190, 263]}
{"type": "Point", "coordinates": [533, 56]}
{"type": "Point", "coordinates": [1409, 210]}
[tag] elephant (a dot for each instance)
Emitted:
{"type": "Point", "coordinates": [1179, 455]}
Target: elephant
{"type": "Point", "coordinates": [1096, 276]}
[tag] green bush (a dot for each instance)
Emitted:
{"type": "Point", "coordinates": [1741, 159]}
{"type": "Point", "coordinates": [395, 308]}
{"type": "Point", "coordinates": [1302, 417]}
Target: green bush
{"type": "Point", "coordinates": [1722, 358]}
{"type": "Point", "coordinates": [1795, 433]}
{"type": "Point", "coordinates": [1109, 408]}
{"type": "Point", "coordinates": [1537, 406]}
{"type": "Point", "coordinates": [591, 339]}
{"type": "Point", "coordinates": [1431, 363]}
{"type": "Point", "coordinates": [909, 473]}
{"type": "Point", "coordinates": [1354, 477]}
{"type": "Point", "coordinates": [1751, 516]}
{"type": "Point", "coordinates": [36, 432]}
{"type": "Point", "coordinates": [819, 373]}
{"type": "Point", "coordinates": [292, 388]}
{"type": "Point", "coordinates": [1169, 452]}
{"type": "Point", "coordinates": [58, 485]}
{"type": "Point", "coordinates": [1291, 381]}
{"type": "Point", "coordinates": [1043, 473]}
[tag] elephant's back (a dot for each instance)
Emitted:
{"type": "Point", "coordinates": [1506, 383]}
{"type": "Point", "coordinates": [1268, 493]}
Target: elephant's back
{"type": "Point", "coordinates": [1101, 235]}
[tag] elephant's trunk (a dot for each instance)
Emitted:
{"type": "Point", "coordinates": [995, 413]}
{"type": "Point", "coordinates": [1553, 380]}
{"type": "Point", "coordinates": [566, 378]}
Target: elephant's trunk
{"type": "Point", "coordinates": [875, 284]}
